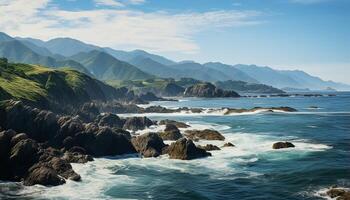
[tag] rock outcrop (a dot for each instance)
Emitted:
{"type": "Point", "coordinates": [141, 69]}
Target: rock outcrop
{"type": "Point", "coordinates": [209, 147]}
{"type": "Point", "coordinates": [148, 144]}
{"type": "Point", "coordinates": [171, 132]}
{"type": "Point", "coordinates": [185, 149]}
{"type": "Point", "coordinates": [282, 145]}
{"type": "Point", "coordinates": [228, 144]}
{"type": "Point", "coordinates": [137, 123]}
{"type": "Point", "coordinates": [206, 134]}
{"type": "Point", "coordinates": [339, 193]}
{"type": "Point", "coordinates": [208, 90]}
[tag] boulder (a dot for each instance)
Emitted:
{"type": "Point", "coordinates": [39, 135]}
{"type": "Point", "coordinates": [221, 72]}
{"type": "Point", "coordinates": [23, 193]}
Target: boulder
{"type": "Point", "coordinates": [186, 150]}
{"type": "Point", "coordinates": [106, 142]}
{"type": "Point", "coordinates": [137, 123]}
{"type": "Point", "coordinates": [209, 147]}
{"type": "Point", "coordinates": [110, 120]}
{"type": "Point", "coordinates": [15, 139]}
{"type": "Point", "coordinates": [64, 169]}
{"type": "Point", "coordinates": [171, 132]}
{"type": "Point", "coordinates": [88, 112]}
{"type": "Point", "coordinates": [43, 175]}
{"type": "Point", "coordinates": [338, 193]}
{"type": "Point", "coordinates": [205, 134]}
{"type": "Point", "coordinates": [74, 157]}
{"type": "Point", "coordinates": [24, 153]}
{"type": "Point", "coordinates": [228, 144]}
{"type": "Point", "coordinates": [149, 144]}
{"type": "Point", "coordinates": [281, 145]}
{"type": "Point", "coordinates": [176, 123]}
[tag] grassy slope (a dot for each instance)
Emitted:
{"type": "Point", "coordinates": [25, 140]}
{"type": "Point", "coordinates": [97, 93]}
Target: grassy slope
{"type": "Point", "coordinates": [42, 85]}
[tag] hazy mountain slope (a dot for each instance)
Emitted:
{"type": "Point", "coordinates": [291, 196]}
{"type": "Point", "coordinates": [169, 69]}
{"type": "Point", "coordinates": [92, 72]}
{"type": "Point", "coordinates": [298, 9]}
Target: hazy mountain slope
{"type": "Point", "coordinates": [197, 71]}
{"type": "Point", "coordinates": [152, 67]}
{"type": "Point", "coordinates": [131, 55]}
{"type": "Point", "coordinates": [68, 46]}
{"type": "Point", "coordinates": [16, 51]}
{"type": "Point", "coordinates": [106, 67]}
{"type": "Point", "coordinates": [233, 73]}
{"type": "Point", "coordinates": [4, 37]}
{"type": "Point", "coordinates": [268, 76]}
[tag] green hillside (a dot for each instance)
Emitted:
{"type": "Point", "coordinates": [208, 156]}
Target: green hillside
{"type": "Point", "coordinates": [50, 87]}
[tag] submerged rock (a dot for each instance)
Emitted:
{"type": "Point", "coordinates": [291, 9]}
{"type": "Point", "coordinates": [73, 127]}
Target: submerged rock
{"type": "Point", "coordinates": [228, 144]}
{"type": "Point", "coordinates": [206, 134]}
{"type": "Point", "coordinates": [176, 123]}
{"type": "Point", "coordinates": [148, 144]}
{"type": "Point", "coordinates": [281, 145]}
{"type": "Point", "coordinates": [184, 149]}
{"type": "Point", "coordinates": [171, 132]}
{"type": "Point", "coordinates": [339, 194]}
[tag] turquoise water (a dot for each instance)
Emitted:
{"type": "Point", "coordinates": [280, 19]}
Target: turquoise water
{"type": "Point", "coordinates": [251, 170]}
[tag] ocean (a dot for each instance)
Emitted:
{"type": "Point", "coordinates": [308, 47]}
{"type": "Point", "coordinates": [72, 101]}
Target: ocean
{"type": "Point", "coordinates": [320, 130]}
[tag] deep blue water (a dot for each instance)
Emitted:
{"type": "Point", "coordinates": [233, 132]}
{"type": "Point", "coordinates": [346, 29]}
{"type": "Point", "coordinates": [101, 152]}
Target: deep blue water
{"type": "Point", "coordinates": [251, 170]}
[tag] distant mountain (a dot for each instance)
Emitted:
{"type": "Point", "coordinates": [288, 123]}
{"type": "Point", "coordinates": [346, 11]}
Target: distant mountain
{"type": "Point", "coordinates": [128, 56]}
{"type": "Point", "coordinates": [269, 76]}
{"type": "Point", "coordinates": [16, 51]}
{"type": "Point", "coordinates": [4, 37]}
{"type": "Point", "coordinates": [197, 71]}
{"type": "Point", "coordinates": [232, 72]}
{"type": "Point", "coordinates": [106, 67]}
{"type": "Point", "coordinates": [152, 67]}
{"type": "Point", "coordinates": [289, 79]}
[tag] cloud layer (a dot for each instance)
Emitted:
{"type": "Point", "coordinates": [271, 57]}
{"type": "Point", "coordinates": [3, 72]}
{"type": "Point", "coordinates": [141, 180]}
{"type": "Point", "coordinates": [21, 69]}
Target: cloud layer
{"type": "Point", "coordinates": [119, 28]}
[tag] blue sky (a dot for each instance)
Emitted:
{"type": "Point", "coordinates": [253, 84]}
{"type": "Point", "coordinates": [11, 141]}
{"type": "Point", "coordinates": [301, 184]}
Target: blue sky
{"type": "Point", "coordinates": [311, 35]}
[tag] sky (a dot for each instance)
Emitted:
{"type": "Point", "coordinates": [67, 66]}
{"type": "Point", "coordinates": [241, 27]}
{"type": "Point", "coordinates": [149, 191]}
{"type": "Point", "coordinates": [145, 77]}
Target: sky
{"type": "Point", "coordinates": [309, 35]}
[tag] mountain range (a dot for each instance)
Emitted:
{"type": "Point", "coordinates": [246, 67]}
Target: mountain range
{"type": "Point", "coordinates": [109, 64]}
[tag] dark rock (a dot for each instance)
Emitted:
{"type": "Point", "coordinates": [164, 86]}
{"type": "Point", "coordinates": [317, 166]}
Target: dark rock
{"type": "Point", "coordinates": [171, 132]}
{"type": "Point", "coordinates": [208, 90]}
{"type": "Point", "coordinates": [339, 194]}
{"type": "Point", "coordinates": [106, 142]}
{"type": "Point", "coordinates": [205, 134]}
{"type": "Point", "coordinates": [228, 144]}
{"type": "Point", "coordinates": [64, 169]}
{"type": "Point", "coordinates": [176, 123]}
{"type": "Point", "coordinates": [24, 153]}
{"type": "Point", "coordinates": [148, 145]}
{"type": "Point", "coordinates": [88, 112]}
{"type": "Point", "coordinates": [172, 89]}
{"type": "Point", "coordinates": [43, 175]}
{"type": "Point", "coordinates": [149, 96]}
{"type": "Point", "coordinates": [15, 139]}
{"type": "Point", "coordinates": [137, 123]}
{"type": "Point", "coordinates": [110, 120]}
{"type": "Point", "coordinates": [186, 150]}
{"type": "Point", "coordinates": [5, 148]}
{"type": "Point", "coordinates": [75, 157]}
{"type": "Point", "coordinates": [281, 145]}
{"type": "Point", "coordinates": [209, 147]}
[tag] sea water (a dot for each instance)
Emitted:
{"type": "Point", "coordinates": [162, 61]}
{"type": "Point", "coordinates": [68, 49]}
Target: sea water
{"type": "Point", "coordinates": [320, 130]}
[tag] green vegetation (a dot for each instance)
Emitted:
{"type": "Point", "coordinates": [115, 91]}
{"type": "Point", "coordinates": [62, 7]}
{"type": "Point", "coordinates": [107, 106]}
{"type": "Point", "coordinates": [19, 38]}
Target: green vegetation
{"type": "Point", "coordinates": [46, 86]}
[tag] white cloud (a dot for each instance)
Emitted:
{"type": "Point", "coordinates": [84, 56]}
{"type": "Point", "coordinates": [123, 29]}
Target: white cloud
{"type": "Point", "coordinates": [108, 3]}
{"type": "Point", "coordinates": [122, 28]}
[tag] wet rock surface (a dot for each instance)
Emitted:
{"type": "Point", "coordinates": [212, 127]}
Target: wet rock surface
{"type": "Point", "coordinates": [282, 145]}
{"type": "Point", "coordinates": [185, 149]}
{"type": "Point", "coordinates": [206, 134]}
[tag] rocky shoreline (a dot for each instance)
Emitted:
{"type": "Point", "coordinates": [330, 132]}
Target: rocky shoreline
{"type": "Point", "coordinates": [37, 146]}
